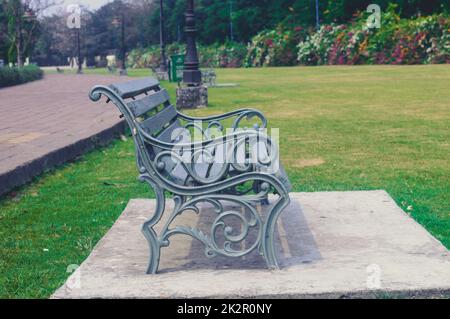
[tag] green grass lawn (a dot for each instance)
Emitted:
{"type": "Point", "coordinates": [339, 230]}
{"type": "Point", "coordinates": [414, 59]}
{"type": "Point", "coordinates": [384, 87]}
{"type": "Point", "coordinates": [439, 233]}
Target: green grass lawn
{"type": "Point", "coordinates": [341, 128]}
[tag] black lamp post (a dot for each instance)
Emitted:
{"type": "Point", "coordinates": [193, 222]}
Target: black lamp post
{"type": "Point", "coordinates": [163, 64]}
{"type": "Point", "coordinates": [192, 94]}
{"type": "Point", "coordinates": [231, 21]}
{"type": "Point", "coordinates": [317, 15]}
{"type": "Point", "coordinates": [191, 74]}
{"type": "Point", "coordinates": [80, 62]}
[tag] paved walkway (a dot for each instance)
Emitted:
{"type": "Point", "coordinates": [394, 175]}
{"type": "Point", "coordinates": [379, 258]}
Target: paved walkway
{"type": "Point", "coordinates": [48, 122]}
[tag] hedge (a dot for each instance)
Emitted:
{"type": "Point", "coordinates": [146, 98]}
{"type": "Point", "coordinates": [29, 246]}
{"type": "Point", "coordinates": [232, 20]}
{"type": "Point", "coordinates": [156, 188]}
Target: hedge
{"type": "Point", "coordinates": [420, 40]}
{"type": "Point", "coordinates": [13, 76]}
{"type": "Point", "coordinates": [228, 55]}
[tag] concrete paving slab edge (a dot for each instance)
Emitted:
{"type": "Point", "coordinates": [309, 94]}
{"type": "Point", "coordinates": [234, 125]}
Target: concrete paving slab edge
{"type": "Point", "coordinates": [417, 248]}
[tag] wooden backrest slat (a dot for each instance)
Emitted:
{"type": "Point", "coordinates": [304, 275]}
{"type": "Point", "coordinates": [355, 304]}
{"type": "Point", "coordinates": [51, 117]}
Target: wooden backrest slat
{"type": "Point", "coordinates": [155, 123]}
{"type": "Point", "coordinates": [148, 103]}
{"type": "Point", "coordinates": [135, 87]}
{"type": "Point", "coordinates": [166, 134]}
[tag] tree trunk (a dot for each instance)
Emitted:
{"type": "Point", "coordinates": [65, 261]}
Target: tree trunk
{"type": "Point", "coordinates": [19, 45]}
{"type": "Point", "coordinates": [19, 55]}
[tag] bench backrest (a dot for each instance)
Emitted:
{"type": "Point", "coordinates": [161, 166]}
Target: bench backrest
{"type": "Point", "coordinates": [150, 106]}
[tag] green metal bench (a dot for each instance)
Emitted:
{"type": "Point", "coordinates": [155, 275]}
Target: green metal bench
{"type": "Point", "coordinates": [219, 168]}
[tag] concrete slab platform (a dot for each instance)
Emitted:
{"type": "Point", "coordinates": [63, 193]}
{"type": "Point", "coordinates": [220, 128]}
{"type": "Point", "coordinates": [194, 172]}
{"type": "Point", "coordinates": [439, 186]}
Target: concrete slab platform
{"type": "Point", "coordinates": [331, 244]}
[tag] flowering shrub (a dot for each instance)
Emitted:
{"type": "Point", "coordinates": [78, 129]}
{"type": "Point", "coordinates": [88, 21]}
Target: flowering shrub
{"type": "Point", "coordinates": [398, 41]}
{"type": "Point", "coordinates": [439, 51]}
{"type": "Point", "coordinates": [424, 40]}
{"type": "Point", "coordinates": [326, 46]}
{"type": "Point", "coordinates": [143, 58]}
{"type": "Point", "coordinates": [228, 55]}
{"type": "Point", "coordinates": [274, 47]}
{"type": "Point", "coordinates": [150, 57]}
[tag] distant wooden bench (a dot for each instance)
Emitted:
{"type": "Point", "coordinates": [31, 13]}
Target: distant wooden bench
{"type": "Point", "coordinates": [218, 168]}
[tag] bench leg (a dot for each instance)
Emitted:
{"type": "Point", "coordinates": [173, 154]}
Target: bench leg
{"type": "Point", "coordinates": [148, 231]}
{"type": "Point", "coordinates": [154, 247]}
{"type": "Point", "coordinates": [268, 239]}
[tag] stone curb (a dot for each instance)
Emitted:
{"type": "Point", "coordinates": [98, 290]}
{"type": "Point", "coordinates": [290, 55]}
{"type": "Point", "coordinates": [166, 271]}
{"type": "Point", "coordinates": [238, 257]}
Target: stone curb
{"type": "Point", "coordinates": [25, 173]}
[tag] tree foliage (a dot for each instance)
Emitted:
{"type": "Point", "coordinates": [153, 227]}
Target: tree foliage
{"type": "Point", "coordinates": [249, 17]}
{"type": "Point", "coordinates": [18, 19]}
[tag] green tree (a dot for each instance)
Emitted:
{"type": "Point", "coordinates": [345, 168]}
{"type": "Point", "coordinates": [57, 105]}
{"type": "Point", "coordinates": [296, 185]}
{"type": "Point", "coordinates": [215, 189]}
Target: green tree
{"type": "Point", "coordinates": [22, 26]}
{"type": "Point", "coordinates": [4, 41]}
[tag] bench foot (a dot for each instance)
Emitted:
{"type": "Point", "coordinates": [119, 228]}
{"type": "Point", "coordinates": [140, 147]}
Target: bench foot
{"type": "Point", "coordinates": [147, 229]}
{"type": "Point", "coordinates": [155, 249]}
{"type": "Point", "coordinates": [268, 240]}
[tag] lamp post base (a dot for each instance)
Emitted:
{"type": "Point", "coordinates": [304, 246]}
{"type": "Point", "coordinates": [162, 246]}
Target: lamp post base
{"type": "Point", "coordinates": [192, 97]}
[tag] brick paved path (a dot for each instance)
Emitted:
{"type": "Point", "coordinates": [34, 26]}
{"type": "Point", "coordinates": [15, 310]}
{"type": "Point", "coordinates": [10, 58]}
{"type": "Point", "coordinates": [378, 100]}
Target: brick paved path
{"type": "Point", "coordinates": [48, 122]}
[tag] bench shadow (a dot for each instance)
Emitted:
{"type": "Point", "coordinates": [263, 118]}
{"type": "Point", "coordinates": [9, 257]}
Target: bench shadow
{"type": "Point", "coordinates": [294, 243]}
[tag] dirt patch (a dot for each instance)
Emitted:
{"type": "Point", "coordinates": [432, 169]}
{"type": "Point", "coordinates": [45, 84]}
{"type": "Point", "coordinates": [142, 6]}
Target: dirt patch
{"type": "Point", "coordinates": [300, 163]}
{"type": "Point", "coordinates": [19, 138]}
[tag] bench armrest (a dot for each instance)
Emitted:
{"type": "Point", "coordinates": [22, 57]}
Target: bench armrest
{"type": "Point", "coordinates": [238, 114]}
{"type": "Point", "coordinates": [273, 183]}
{"type": "Point", "coordinates": [237, 135]}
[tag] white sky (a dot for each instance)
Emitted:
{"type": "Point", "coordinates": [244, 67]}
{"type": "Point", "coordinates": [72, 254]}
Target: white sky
{"type": "Point", "coordinates": [90, 4]}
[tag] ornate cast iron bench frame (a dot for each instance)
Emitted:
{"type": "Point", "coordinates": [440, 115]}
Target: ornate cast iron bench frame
{"type": "Point", "coordinates": [153, 121]}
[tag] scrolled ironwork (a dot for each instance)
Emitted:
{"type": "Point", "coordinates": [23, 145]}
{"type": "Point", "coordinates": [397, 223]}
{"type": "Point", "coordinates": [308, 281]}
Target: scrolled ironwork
{"type": "Point", "coordinates": [211, 243]}
{"type": "Point", "coordinates": [249, 115]}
